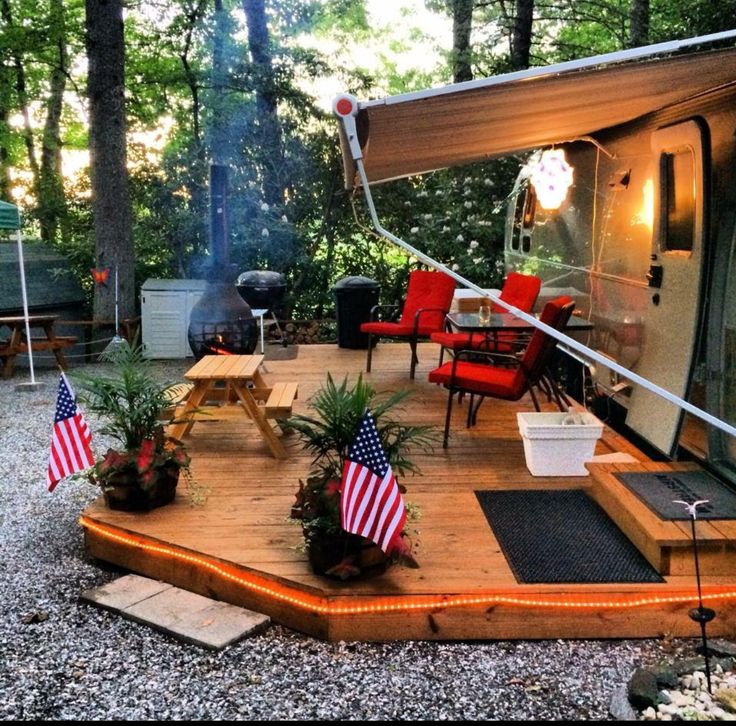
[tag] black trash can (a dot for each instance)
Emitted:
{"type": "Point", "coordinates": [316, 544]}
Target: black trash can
{"type": "Point", "coordinates": [355, 298]}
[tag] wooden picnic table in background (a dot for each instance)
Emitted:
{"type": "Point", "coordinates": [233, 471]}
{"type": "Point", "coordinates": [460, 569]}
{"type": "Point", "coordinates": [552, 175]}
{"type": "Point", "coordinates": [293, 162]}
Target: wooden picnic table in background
{"type": "Point", "coordinates": [17, 342]}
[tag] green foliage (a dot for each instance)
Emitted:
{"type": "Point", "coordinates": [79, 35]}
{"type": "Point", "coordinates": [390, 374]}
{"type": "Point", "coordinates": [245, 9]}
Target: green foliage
{"type": "Point", "coordinates": [131, 401]}
{"type": "Point", "coordinates": [311, 234]}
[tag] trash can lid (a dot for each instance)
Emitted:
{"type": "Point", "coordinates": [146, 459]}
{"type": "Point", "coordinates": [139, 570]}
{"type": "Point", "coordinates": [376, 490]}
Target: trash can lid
{"type": "Point", "coordinates": [261, 278]}
{"type": "Point", "coordinates": [355, 281]}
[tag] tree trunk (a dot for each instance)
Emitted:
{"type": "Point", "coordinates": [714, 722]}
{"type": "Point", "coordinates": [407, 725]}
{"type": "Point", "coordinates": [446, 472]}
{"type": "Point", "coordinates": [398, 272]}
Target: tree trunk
{"type": "Point", "coordinates": [272, 158]}
{"type": "Point", "coordinates": [521, 40]}
{"type": "Point", "coordinates": [462, 27]}
{"type": "Point", "coordinates": [108, 162]}
{"type": "Point", "coordinates": [4, 135]}
{"type": "Point", "coordinates": [22, 94]}
{"type": "Point", "coordinates": [192, 82]}
{"type": "Point", "coordinates": [51, 202]}
{"type": "Point", "coordinates": [639, 27]}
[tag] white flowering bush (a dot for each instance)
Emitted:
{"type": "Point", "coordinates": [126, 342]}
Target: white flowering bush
{"type": "Point", "coordinates": [456, 216]}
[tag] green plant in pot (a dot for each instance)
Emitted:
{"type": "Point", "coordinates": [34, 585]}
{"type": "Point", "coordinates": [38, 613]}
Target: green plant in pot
{"type": "Point", "coordinates": [144, 471]}
{"type": "Point", "coordinates": [337, 411]}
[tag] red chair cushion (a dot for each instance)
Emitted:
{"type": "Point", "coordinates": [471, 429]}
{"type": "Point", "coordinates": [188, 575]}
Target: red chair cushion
{"type": "Point", "coordinates": [428, 289]}
{"type": "Point", "coordinates": [487, 380]}
{"type": "Point", "coordinates": [556, 313]}
{"type": "Point", "coordinates": [395, 330]}
{"type": "Point", "coordinates": [519, 290]}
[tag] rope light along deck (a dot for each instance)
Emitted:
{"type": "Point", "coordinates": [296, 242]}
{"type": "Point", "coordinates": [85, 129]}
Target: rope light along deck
{"type": "Point", "coordinates": [375, 605]}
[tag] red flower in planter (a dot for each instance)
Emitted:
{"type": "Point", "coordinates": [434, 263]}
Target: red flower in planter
{"type": "Point", "coordinates": [145, 455]}
{"type": "Point", "coordinates": [112, 460]}
{"type": "Point", "coordinates": [333, 488]}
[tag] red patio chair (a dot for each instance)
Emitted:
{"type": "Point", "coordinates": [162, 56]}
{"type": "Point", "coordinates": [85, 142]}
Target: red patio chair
{"type": "Point", "coordinates": [503, 381]}
{"type": "Point", "coordinates": [428, 300]}
{"type": "Point", "coordinates": [518, 290]}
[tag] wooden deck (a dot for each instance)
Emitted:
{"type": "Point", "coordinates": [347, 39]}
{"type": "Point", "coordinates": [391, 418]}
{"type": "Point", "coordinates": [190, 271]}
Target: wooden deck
{"type": "Point", "coordinates": [238, 546]}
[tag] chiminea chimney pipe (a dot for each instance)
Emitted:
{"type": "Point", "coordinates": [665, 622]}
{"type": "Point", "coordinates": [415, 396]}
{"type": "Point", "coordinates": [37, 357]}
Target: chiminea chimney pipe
{"type": "Point", "coordinates": [218, 219]}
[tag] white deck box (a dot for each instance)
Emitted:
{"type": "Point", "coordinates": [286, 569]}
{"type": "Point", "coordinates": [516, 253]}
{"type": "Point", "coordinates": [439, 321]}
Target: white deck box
{"type": "Point", "coordinates": [559, 444]}
{"type": "Point", "coordinates": [165, 309]}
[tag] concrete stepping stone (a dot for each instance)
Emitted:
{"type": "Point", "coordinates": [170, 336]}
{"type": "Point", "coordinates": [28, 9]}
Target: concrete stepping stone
{"type": "Point", "coordinates": [183, 614]}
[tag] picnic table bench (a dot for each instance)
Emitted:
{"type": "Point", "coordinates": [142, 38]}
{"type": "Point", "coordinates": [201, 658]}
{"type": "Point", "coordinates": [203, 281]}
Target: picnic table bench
{"type": "Point", "coordinates": [17, 343]}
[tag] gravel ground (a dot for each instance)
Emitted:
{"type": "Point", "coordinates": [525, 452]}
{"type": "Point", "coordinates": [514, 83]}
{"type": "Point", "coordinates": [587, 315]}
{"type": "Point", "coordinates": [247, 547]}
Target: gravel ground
{"type": "Point", "coordinates": [83, 663]}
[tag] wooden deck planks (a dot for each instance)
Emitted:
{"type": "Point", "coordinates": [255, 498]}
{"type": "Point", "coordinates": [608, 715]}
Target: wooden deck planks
{"type": "Point", "coordinates": [244, 520]}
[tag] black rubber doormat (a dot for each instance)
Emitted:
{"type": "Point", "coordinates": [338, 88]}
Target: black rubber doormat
{"type": "Point", "coordinates": [562, 536]}
{"type": "Point", "coordinates": [658, 490]}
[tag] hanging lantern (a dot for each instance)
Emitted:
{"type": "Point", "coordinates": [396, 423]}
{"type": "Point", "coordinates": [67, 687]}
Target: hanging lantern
{"type": "Point", "coordinates": [552, 177]}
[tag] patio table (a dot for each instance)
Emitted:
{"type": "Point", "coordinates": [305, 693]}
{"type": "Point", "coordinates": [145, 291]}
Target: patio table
{"type": "Point", "coordinates": [506, 322]}
{"type": "Point", "coordinates": [243, 384]}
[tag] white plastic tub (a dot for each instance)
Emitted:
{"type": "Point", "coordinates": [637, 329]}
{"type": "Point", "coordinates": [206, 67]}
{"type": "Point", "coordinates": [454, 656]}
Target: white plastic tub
{"type": "Point", "coordinates": [559, 444]}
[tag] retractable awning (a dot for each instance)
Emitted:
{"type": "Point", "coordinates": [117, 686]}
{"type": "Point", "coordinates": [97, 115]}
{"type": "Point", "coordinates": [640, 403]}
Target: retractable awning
{"type": "Point", "coordinates": [468, 122]}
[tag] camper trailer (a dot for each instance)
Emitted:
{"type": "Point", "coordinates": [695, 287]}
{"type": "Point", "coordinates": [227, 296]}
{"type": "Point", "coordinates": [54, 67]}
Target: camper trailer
{"type": "Point", "coordinates": [645, 238]}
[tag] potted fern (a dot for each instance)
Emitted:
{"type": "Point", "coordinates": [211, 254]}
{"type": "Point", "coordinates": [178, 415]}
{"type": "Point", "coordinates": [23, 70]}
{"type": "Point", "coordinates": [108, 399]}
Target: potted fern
{"type": "Point", "coordinates": [327, 434]}
{"type": "Point", "coordinates": [143, 471]}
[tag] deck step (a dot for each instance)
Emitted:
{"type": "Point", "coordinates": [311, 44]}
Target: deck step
{"type": "Point", "coordinates": [667, 545]}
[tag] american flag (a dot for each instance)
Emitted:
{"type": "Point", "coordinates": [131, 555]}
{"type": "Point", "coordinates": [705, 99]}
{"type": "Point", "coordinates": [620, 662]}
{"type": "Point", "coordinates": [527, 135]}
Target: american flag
{"type": "Point", "coordinates": [70, 440]}
{"type": "Point", "coordinates": [370, 503]}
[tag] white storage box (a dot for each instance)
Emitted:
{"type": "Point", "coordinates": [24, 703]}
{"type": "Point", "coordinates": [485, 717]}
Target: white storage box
{"type": "Point", "coordinates": [559, 444]}
{"type": "Point", "coordinates": [165, 309]}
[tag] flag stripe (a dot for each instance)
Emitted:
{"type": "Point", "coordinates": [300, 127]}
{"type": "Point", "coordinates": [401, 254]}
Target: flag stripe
{"type": "Point", "coordinates": [70, 438]}
{"type": "Point", "coordinates": [378, 501]}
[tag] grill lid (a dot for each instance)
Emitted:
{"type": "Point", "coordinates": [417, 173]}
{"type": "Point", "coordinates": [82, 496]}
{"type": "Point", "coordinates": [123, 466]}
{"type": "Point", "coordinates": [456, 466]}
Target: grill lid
{"type": "Point", "coordinates": [261, 279]}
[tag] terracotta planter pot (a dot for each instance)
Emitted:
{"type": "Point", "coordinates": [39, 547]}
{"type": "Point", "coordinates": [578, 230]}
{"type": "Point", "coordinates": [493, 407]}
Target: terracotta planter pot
{"type": "Point", "coordinates": [123, 492]}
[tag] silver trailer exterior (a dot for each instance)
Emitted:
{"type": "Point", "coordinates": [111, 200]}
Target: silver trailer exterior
{"type": "Point", "coordinates": [645, 243]}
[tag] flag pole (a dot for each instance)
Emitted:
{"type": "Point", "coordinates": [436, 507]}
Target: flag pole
{"type": "Point", "coordinates": [32, 384]}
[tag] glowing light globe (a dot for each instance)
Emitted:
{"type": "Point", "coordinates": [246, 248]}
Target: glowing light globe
{"type": "Point", "coordinates": [552, 177]}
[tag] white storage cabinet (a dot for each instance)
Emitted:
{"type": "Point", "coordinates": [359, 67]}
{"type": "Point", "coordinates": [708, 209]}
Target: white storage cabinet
{"type": "Point", "coordinates": [165, 309]}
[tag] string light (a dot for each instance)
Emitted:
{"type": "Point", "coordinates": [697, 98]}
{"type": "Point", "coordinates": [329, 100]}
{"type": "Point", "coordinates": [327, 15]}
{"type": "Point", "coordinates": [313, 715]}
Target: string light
{"type": "Point", "coordinates": [427, 603]}
{"type": "Point", "coordinates": [552, 176]}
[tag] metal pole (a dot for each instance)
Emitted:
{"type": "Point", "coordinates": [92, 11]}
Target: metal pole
{"type": "Point", "coordinates": [699, 614]}
{"type": "Point", "coordinates": [24, 295]}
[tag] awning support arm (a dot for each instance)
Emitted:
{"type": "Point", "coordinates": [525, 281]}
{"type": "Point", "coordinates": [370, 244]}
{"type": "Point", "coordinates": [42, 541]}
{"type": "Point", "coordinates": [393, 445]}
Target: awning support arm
{"type": "Point", "coordinates": [348, 121]}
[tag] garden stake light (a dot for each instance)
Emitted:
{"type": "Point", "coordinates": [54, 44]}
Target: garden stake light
{"type": "Point", "coordinates": [699, 614]}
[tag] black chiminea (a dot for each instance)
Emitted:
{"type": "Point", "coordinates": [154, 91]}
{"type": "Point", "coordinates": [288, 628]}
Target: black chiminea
{"type": "Point", "coordinates": [221, 322]}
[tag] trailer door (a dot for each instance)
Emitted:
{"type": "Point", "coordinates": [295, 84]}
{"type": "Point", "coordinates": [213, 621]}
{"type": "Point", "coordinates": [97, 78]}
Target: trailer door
{"type": "Point", "coordinates": [674, 279]}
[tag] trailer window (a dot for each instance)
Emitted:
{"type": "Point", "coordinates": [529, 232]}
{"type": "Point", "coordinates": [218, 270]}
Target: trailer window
{"type": "Point", "coordinates": [518, 217]}
{"type": "Point", "coordinates": [530, 207]}
{"type": "Point", "coordinates": [678, 200]}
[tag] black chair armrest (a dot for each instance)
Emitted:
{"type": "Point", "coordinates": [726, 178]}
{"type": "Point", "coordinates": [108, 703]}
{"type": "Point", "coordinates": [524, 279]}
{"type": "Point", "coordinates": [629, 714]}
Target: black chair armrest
{"type": "Point", "coordinates": [421, 312]}
{"type": "Point", "coordinates": [376, 308]}
{"type": "Point", "coordinates": [472, 353]}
